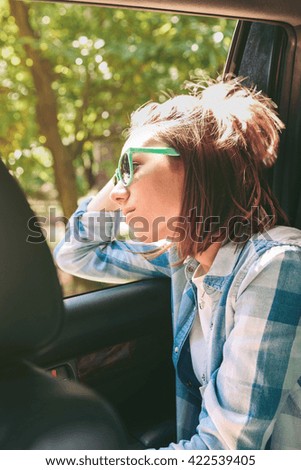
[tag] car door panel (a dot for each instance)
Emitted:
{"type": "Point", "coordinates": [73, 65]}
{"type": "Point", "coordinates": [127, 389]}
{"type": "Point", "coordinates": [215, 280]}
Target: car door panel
{"type": "Point", "coordinates": [139, 308]}
{"type": "Point", "coordinates": [118, 342]}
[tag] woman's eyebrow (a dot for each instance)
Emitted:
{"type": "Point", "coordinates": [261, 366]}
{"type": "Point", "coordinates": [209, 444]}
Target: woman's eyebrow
{"type": "Point", "coordinates": [139, 154]}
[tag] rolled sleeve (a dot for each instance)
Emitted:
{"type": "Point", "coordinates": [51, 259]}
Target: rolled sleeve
{"type": "Point", "coordinates": [91, 250]}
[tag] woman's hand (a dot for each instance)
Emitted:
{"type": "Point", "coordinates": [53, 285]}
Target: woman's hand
{"type": "Point", "coordinates": [102, 200]}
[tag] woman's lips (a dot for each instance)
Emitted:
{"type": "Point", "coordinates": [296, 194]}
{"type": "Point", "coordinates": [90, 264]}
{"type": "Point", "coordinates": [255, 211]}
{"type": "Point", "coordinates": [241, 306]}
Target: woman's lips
{"type": "Point", "coordinates": [128, 214]}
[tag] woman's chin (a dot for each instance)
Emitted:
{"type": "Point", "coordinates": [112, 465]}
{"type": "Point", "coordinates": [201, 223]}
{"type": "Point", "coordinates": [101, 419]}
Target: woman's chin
{"type": "Point", "coordinates": [143, 237]}
{"type": "Point", "coordinates": [142, 232]}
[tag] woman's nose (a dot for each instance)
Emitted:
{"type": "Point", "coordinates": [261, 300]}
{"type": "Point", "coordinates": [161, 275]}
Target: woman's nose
{"type": "Point", "coordinates": [119, 194]}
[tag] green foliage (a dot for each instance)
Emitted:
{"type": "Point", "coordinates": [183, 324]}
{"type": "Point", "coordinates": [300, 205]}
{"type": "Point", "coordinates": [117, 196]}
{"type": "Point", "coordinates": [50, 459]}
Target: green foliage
{"type": "Point", "coordinates": [105, 63]}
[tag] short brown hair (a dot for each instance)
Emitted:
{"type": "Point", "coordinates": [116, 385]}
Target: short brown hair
{"type": "Point", "coordinates": [226, 134]}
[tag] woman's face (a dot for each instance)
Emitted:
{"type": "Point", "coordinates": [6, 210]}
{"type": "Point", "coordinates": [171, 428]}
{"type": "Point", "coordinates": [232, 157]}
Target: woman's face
{"type": "Point", "coordinates": [153, 201]}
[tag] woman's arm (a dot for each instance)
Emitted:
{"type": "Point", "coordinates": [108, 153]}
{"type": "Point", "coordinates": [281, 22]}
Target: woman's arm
{"type": "Point", "coordinates": [261, 358]}
{"type": "Point", "coordinates": [90, 248]}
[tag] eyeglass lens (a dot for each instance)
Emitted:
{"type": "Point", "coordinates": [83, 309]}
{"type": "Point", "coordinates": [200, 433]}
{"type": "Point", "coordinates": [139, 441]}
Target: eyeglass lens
{"type": "Point", "coordinates": [125, 168]}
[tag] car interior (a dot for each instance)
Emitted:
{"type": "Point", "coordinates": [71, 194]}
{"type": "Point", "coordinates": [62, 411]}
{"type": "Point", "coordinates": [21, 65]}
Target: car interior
{"type": "Point", "coordinates": [94, 370]}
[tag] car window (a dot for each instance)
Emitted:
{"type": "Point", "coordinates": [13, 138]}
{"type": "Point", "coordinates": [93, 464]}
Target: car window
{"type": "Point", "coordinates": [70, 77]}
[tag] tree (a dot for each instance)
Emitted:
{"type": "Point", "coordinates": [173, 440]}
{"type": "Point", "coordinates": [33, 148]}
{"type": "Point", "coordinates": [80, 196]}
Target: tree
{"type": "Point", "coordinates": [46, 109]}
{"type": "Point", "coordinates": [71, 76]}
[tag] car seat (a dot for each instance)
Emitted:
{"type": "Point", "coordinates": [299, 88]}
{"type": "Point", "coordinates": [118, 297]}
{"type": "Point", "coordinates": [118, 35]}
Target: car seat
{"type": "Point", "coordinates": [37, 410]}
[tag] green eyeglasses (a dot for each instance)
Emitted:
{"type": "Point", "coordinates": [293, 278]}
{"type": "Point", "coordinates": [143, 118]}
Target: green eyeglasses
{"type": "Point", "coordinates": [125, 169]}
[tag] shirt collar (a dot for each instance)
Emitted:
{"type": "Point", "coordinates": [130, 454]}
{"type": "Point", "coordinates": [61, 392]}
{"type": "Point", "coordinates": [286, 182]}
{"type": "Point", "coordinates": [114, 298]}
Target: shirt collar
{"type": "Point", "coordinates": [227, 256]}
{"type": "Point", "coordinates": [225, 260]}
{"type": "Point", "coordinates": [222, 265]}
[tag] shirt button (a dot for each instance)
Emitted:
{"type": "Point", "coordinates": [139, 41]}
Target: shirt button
{"type": "Point", "coordinates": [189, 383]}
{"type": "Point", "coordinates": [176, 349]}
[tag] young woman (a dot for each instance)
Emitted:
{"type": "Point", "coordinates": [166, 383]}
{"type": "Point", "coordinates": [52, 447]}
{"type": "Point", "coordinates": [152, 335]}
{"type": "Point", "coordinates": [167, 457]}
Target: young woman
{"type": "Point", "coordinates": [191, 174]}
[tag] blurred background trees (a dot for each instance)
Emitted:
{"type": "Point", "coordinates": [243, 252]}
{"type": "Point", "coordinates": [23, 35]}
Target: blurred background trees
{"type": "Point", "coordinates": [70, 76]}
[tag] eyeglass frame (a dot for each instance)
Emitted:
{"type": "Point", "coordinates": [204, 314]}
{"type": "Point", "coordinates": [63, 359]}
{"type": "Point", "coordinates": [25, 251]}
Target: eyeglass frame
{"type": "Point", "coordinates": [157, 150]}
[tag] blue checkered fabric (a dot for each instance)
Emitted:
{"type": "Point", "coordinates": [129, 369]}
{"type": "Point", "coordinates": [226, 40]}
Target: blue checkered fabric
{"type": "Point", "coordinates": [250, 396]}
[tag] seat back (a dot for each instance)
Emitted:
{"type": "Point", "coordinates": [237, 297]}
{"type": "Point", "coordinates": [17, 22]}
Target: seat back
{"type": "Point", "coordinates": [37, 410]}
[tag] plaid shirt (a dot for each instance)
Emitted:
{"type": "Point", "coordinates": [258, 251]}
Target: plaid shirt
{"type": "Point", "coordinates": [250, 395]}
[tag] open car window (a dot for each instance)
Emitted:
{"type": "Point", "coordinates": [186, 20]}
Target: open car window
{"type": "Point", "coordinates": [71, 75]}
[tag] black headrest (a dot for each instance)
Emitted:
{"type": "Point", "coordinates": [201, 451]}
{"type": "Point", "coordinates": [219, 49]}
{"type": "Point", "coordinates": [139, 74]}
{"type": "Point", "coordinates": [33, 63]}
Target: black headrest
{"type": "Point", "coordinates": [31, 307]}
